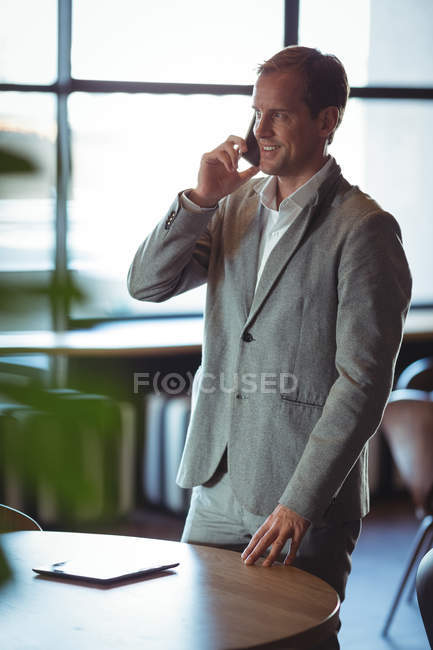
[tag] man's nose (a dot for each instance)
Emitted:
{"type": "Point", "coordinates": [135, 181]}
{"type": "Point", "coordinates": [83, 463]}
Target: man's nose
{"type": "Point", "coordinates": [263, 127]}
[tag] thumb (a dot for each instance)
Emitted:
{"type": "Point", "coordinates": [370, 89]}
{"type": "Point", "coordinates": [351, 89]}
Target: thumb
{"type": "Point", "coordinates": [248, 173]}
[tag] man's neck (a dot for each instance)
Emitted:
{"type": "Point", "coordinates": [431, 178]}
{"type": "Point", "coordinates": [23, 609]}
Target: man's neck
{"type": "Point", "coordinates": [286, 185]}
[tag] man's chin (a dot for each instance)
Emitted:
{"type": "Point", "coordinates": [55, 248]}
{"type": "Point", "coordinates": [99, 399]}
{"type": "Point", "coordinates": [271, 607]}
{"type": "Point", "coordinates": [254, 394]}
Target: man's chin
{"type": "Point", "coordinates": [268, 168]}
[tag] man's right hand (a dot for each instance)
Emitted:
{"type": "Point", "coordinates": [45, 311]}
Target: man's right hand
{"type": "Point", "coordinates": [218, 174]}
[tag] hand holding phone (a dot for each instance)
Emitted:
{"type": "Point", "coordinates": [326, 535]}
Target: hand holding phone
{"type": "Point", "coordinates": [218, 175]}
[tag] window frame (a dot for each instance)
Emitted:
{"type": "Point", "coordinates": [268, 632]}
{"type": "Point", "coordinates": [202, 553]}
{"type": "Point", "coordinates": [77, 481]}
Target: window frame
{"type": "Point", "coordinates": [66, 84]}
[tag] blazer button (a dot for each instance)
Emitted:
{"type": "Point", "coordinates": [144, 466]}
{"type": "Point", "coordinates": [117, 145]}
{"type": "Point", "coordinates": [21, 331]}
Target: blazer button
{"type": "Point", "coordinates": [170, 220]}
{"type": "Point", "coordinates": [247, 337]}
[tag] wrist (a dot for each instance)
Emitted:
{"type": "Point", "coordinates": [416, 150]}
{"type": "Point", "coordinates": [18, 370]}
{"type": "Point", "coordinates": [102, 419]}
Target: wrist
{"type": "Point", "coordinates": [202, 201]}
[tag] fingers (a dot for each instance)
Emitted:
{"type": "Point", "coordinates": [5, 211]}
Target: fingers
{"type": "Point", "coordinates": [255, 538]}
{"type": "Point", "coordinates": [248, 173]}
{"type": "Point", "coordinates": [261, 540]}
{"type": "Point", "coordinates": [231, 154]}
{"type": "Point", "coordinates": [252, 551]}
{"type": "Point", "coordinates": [228, 153]}
{"type": "Point", "coordinates": [237, 146]}
{"type": "Point", "coordinates": [274, 554]}
{"type": "Point", "coordinates": [282, 525]}
{"type": "Point", "coordinates": [220, 156]}
{"type": "Point", "coordinates": [260, 543]}
{"type": "Point", "coordinates": [218, 174]}
{"type": "Point", "coordinates": [259, 548]}
{"type": "Point", "coordinates": [295, 542]}
{"type": "Point", "coordinates": [240, 142]}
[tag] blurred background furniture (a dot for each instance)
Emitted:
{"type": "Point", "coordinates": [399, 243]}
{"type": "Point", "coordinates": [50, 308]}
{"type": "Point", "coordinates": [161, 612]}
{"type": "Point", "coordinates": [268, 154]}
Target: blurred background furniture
{"type": "Point", "coordinates": [408, 428]}
{"type": "Point", "coordinates": [68, 456]}
{"type": "Point", "coordinates": [12, 520]}
{"type": "Point", "coordinates": [424, 590]}
{"type": "Point", "coordinates": [166, 424]}
{"type": "Point", "coordinates": [418, 375]}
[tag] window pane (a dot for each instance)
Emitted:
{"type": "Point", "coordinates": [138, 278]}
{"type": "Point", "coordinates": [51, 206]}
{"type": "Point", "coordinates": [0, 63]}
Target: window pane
{"type": "Point", "coordinates": [386, 43]}
{"type": "Point", "coordinates": [131, 155]}
{"type": "Point", "coordinates": [329, 26]}
{"type": "Point", "coordinates": [125, 177]}
{"type": "Point", "coordinates": [27, 201]}
{"type": "Point", "coordinates": [172, 41]}
{"type": "Point", "coordinates": [386, 147]}
{"type": "Point", "coordinates": [28, 41]}
{"type": "Point", "coordinates": [401, 43]}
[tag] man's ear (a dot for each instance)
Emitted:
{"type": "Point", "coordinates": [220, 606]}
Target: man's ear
{"type": "Point", "coordinates": [328, 120]}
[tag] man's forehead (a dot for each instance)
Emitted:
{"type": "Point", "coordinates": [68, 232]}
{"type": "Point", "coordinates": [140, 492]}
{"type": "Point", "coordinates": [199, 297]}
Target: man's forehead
{"type": "Point", "coordinates": [283, 86]}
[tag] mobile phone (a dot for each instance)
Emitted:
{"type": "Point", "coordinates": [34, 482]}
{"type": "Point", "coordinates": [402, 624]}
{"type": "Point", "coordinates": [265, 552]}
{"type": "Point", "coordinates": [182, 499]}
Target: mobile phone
{"type": "Point", "coordinates": [253, 153]}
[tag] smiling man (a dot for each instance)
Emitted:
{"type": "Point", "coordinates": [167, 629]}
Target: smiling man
{"type": "Point", "coordinates": [307, 292]}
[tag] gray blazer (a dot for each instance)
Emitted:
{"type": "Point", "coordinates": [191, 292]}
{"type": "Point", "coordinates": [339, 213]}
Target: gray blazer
{"type": "Point", "coordinates": [295, 376]}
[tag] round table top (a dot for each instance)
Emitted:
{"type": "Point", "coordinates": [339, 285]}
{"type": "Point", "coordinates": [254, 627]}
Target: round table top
{"type": "Point", "coordinates": [211, 601]}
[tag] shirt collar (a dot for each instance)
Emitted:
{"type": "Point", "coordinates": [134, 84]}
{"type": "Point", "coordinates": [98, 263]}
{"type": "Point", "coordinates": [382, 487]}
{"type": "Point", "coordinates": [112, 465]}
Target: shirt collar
{"type": "Point", "coordinates": [300, 197]}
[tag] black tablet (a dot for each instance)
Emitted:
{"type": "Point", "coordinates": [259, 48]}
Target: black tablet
{"type": "Point", "coordinates": [102, 571]}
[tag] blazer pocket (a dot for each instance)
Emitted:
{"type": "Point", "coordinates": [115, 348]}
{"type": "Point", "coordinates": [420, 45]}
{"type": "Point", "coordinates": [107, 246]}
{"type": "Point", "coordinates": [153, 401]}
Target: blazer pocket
{"type": "Point", "coordinates": [297, 402]}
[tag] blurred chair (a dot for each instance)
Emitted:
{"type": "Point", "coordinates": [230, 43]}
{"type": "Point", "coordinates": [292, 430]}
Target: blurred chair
{"type": "Point", "coordinates": [166, 424]}
{"type": "Point", "coordinates": [12, 520]}
{"type": "Point", "coordinates": [424, 590]}
{"type": "Point", "coordinates": [408, 428]}
{"type": "Point", "coordinates": [418, 375]}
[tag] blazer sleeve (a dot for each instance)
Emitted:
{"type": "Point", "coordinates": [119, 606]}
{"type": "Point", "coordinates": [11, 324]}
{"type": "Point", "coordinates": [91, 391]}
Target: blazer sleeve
{"type": "Point", "coordinates": [174, 257]}
{"type": "Point", "coordinates": [374, 288]}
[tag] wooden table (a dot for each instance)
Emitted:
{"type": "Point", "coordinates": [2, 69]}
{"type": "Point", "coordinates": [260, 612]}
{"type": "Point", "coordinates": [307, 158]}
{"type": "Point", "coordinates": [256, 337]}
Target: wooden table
{"type": "Point", "coordinates": [211, 601]}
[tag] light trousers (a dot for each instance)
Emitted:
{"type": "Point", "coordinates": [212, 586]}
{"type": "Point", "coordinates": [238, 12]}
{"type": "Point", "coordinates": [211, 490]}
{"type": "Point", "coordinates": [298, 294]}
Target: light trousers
{"type": "Point", "coordinates": [216, 518]}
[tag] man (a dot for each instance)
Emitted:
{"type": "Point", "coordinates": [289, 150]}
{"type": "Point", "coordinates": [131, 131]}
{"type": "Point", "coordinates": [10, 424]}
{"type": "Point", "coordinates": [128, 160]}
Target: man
{"type": "Point", "coordinates": [307, 291]}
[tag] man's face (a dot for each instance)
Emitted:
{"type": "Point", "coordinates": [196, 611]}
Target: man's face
{"type": "Point", "coordinates": [290, 140]}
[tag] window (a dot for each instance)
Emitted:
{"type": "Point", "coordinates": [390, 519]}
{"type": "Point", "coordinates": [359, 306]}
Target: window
{"type": "Point", "coordinates": [28, 201]}
{"type": "Point", "coordinates": [115, 102]}
{"type": "Point", "coordinates": [385, 142]}
{"type": "Point", "coordinates": [28, 41]}
{"type": "Point", "coordinates": [127, 170]}
{"type": "Point", "coordinates": [192, 41]}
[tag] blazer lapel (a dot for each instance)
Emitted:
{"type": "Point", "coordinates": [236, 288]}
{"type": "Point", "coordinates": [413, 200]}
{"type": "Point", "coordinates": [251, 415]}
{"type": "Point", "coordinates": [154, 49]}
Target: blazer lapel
{"type": "Point", "coordinates": [242, 252]}
{"type": "Point", "coordinates": [289, 243]}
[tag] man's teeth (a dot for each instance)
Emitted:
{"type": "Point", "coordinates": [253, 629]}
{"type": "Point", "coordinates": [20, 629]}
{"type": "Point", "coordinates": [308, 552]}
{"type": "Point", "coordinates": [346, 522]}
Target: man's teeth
{"type": "Point", "coordinates": [270, 148]}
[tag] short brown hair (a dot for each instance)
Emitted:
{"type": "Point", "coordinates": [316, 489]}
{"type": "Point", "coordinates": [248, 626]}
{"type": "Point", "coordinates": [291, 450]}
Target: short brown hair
{"type": "Point", "coordinates": [324, 77]}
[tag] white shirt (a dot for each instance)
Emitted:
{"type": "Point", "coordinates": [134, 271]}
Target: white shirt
{"type": "Point", "coordinates": [276, 222]}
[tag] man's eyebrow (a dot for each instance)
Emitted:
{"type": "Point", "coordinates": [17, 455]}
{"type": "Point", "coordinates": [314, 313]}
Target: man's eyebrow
{"type": "Point", "coordinates": [281, 110]}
